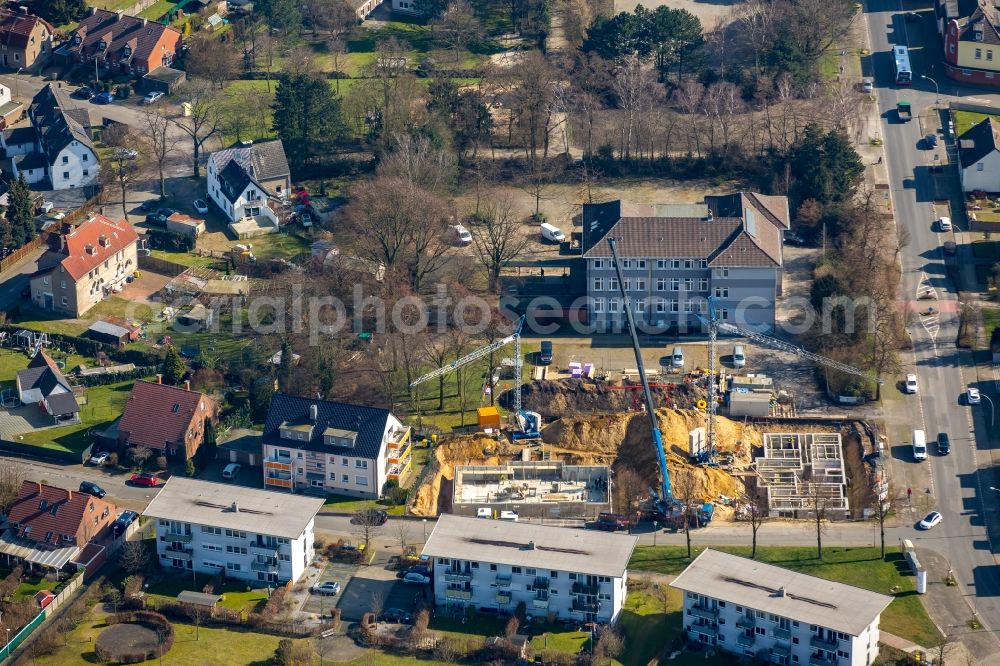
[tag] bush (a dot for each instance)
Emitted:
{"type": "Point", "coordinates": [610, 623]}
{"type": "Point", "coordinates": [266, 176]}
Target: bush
{"type": "Point", "coordinates": [161, 462]}
{"type": "Point", "coordinates": [132, 585]}
{"type": "Point", "coordinates": [171, 241]}
{"type": "Point", "coordinates": [189, 468]}
{"type": "Point", "coordinates": [273, 605]}
{"type": "Point", "coordinates": [113, 459]}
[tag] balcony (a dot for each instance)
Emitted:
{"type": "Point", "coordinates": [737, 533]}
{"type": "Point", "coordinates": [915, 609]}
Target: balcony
{"type": "Point", "coordinates": [177, 536]}
{"type": "Point", "coordinates": [589, 590]}
{"type": "Point", "coordinates": [746, 640]}
{"type": "Point", "coordinates": [267, 567]}
{"type": "Point", "coordinates": [542, 604]}
{"type": "Point", "coordinates": [540, 583]}
{"type": "Point", "coordinates": [263, 549]}
{"type": "Point", "coordinates": [457, 576]}
{"type": "Point", "coordinates": [177, 553]}
{"type": "Point", "coordinates": [828, 644]}
{"type": "Point", "coordinates": [746, 622]}
{"type": "Point", "coordinates": [779, 651]}
{"type": "Point", "coordinates": [503, 597]}
{"type": "Point", "coordinates": [458, 594]}
{"type": "Point", "coordinates": [278, 462]}
{"type": "Point", "coordinates": [277, 481]}
{"type": "Point", "coordinates": [704, 612]}
{"type": "Point", "coordinates": [585, 607]}
{"type": "Point", "coordinates": [399, 439]}
{"type": "Point", "coordinates": [816, 660]}
{"type": "Point", "coordinates": [705, 628]}
{"type": "Point", "coordinates": [503, 580]}
{"type": "Point", "coordinates": [783, 634]}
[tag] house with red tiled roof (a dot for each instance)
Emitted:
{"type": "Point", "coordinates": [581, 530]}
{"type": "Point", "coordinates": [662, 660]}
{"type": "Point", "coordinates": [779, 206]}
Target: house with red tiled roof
{"type": "Point", "coordinates": [169, 420]}
{"type": "Point", "coordinates": [97, 257]}
{"type": "Point", "coordinates": [122, 43]}
{"type": "Point", "coordinates": [48, 526]}
{"type": "Point", "coordinates": [25, 39]}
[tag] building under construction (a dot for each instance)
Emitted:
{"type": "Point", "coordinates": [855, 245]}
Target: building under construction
{"type": "Point", "coordinates": [803, 471]}
{"type": "Point", "coordinates": [537, 489]}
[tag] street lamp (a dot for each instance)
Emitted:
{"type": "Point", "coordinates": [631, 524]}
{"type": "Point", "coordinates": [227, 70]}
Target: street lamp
{"type": "Point", "coordinates": [425, 530]}
{"type": "Point", "coordinates": [16, 81]}
{"type": "Point", "coordinates": [937, 90]}
{"type": "Point", "coordinates": [993, 411]}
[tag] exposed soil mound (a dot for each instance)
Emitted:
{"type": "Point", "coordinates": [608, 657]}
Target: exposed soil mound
{"type": "Point", "coordinates": [556, 398]}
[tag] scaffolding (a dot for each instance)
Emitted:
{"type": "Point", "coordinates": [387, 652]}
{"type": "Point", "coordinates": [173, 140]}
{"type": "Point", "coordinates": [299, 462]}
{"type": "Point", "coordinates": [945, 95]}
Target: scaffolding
{"type": "Point", "coordinates": [802, 472]}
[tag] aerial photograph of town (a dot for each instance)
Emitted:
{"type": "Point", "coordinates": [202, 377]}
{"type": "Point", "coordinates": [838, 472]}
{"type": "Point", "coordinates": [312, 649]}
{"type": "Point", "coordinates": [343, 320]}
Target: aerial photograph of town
{"type": "Point", "coordinates": [557, 332]}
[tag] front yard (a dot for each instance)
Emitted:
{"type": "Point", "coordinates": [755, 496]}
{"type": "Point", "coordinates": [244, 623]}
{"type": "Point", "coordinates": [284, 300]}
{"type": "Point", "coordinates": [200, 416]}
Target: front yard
{"type": "Point", "coordinates": [104, 405]}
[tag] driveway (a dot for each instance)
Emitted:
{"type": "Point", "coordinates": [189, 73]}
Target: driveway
{"type": "Point", "coordinates": [319, 604]}
{"type": "Point", "coordinates": [21, 420]}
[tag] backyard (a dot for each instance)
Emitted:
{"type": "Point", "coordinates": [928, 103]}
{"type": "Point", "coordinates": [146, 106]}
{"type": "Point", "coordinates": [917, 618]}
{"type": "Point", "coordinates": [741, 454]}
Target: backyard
{"type": "Point", "coordinates": [103, 405]}
{"type": "Point", "coordinates": [236, 595]}
{"type": "Point", "coordinates": [965, 120]}
{"type": "Point", "coordinates": [862, 567]}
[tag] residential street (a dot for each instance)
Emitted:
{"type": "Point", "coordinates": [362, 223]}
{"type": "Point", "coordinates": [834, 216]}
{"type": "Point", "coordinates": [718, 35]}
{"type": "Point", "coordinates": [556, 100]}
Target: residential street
{"type": "Point", "coordinates": [956, 485]}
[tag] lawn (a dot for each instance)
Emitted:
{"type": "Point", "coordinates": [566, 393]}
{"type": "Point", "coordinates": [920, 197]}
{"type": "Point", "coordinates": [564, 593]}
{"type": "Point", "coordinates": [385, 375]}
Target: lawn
{"type": "Point", "coordinates": [280, 246]}
{"type": "Point", "coordinates": [40, 320]}
{"type": "Point", "coordinates": [157, 9]}
{"type": "Point", "coordinates": [345, 504]}
{"type": "Point", "coordinates": [648, 626]}
{"type": "Point", "coordinates": [28, 589]}
{"type": "Point", "coordinates": [184, 258]}
{"type": "Point", "coordinates": [104, 405]}
{"type": "Point", "coordinates": [235, 593]}
{"type": "Point", "coordinates": [964, 120]}
{"type": "Point", "coordinates": [991, 319]}
{"type": "Point", "coordinates": [193, 646]}
{"type": "Point", "coordinates": [862, 567]}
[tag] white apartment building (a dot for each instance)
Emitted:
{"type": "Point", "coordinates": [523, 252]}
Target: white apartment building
{"type": "Point", "coordinates": [326, 447]}
{"type": "Point", "coordinates": [561, 573]}
{"type": "Point", "coordinates": [781, 616]}
{"type": "Point", "coordinates": [255, 535]}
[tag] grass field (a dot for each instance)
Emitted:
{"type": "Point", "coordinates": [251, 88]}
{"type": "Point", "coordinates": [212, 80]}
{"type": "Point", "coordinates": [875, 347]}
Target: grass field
{"type": "Point", "coordinates": [29, 589]}
{"type": "Point", "coordinates": [235, 593]}
{"type": "Point", "coordinates": [964, 120]}
{"type": "Point", "coordinates": [862, 567]}
{"type": "Point", "coordinates": [184, 258]}
{"type": "Point", "coordinates": [991, 319]}
{"type": "Point", "coordinates": [344, 504]}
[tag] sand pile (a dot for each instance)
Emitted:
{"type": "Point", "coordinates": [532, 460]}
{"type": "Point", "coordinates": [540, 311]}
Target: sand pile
{"type": "Point", "coordinates": [556, 398]}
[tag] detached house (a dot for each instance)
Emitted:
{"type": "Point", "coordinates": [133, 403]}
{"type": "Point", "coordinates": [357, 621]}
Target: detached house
{"type": "Point", "coordinates": [333, 447]}
{"type": "Point", "coordinates": [169, 420]}
{"type": "Point", "coordinates": [674, 256]}
{"type": "Point", "coordinates": [971, 42]}
{"type": "Point", "coordinates": [44, 384]}
{"type": "Point", "coordinates": [249, 182]}
{"type": "Point", "coordinates": [97, 257]}
{"type": "Point", "coordinates": [49, 526]}
{"type": "Point", "coordinates": [25, 39]}
{"type": "Point", "coordinates": [122, 43]}
{"type": "Point", "coordinates": [56, 150]}
{"type": "Point", "coordinates": [979, 156]}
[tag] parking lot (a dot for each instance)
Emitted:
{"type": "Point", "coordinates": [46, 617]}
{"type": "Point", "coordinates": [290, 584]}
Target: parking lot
{"type": "Point", "coordinates": [363, 588]}
{"type": "Point", "coordinates": [338, 572]}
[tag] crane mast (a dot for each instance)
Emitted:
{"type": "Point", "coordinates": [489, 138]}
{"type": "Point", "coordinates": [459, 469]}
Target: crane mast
{"type": "Point", "coordinates": [666, 495]}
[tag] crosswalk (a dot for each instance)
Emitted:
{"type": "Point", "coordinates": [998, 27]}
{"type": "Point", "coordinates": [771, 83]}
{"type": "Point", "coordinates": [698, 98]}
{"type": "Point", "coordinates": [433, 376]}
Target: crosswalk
{"type": "Point", "coordinates": [929, 316]}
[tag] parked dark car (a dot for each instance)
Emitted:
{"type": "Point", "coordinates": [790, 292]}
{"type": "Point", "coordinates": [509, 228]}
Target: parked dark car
{"type": "Point", "coordinates": [83, 92]}
{"type": "Point", "coordinates": [92, 488]}
{"type": "Point", "coordinates": [148, 205]}
{"type": "Point", "coordinates": [103, 98]}
{"type": "Point", "coordinates": [125, 518]}
{"type": "Point", "coordinates": [374, 517]}
{"type": "Point", "coordinates": [943, 444]}
{"type": "Point", "coordinates": [396, 615]}
{"type": "Point", "coordinates": [545, 352]}
{"type": "Point", "coordinates": [421, 569]}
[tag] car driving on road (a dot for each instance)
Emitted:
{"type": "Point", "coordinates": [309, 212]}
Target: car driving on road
{"type": "Point", "coordinates": [943, 444]}
{"type": "Point", "coordinates": [932, 519]}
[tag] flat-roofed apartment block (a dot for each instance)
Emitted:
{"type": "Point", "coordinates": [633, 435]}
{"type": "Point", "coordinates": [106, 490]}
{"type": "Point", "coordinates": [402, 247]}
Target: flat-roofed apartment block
{"type": "Point", "coordinates": [777, 615]}
{"type": "Point", "coordinates": [255, 535]}
{"type": "Point", "coordinates": [799, 471]}
{"type": "Point", "coordinates": [559, 573]}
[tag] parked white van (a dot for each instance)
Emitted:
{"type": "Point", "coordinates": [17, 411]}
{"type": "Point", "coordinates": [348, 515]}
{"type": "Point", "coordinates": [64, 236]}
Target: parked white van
{"type": "Point", "coordinates": [508, 515]}
{"type": "Point", "coordinates": [919, 445]}
{"type": "Point", "coordinates": [551, 233]}
{"type": "Point", "coordinates": [739, 356]}
{"type": "Point", "coordinates": [677, 358]}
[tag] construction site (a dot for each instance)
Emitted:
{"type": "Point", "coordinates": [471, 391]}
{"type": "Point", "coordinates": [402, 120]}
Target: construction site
{"type": "Point", "coordinates": [537, 489]}
{"type": "Point", "coordinates": [794, 463]}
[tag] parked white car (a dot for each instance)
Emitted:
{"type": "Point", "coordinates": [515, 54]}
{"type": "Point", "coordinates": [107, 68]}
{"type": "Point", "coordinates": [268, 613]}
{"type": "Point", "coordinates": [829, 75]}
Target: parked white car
{"type": "Point", "coordinates": [99, 458]}
{"type": "Point", "coordinates": [152, 98]}
{"type": "Point", "coordinates": [911, 383]}
{"type": "Point", "coordinates": [944, 224]}
{"type": "Point", "coordinates": [973, 396]}
{"type": "Point", "coordinates": [200, 206]}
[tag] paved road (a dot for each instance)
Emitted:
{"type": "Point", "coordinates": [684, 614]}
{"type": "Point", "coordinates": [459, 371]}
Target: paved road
{"type": "Point", "coordinates": [952, 483]}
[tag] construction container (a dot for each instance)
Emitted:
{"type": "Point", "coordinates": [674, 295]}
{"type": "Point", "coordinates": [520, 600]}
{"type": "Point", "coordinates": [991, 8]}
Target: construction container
{"type": "Point", "coordinates": [489, 417]}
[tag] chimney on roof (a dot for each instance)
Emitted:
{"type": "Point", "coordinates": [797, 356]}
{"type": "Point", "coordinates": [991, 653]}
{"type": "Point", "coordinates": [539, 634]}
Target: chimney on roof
{"type": "Point", "coordinates": [159, 379]}
{"type": "Point", "coordinates": [39, 487]}
{"type": "Point", "coordinates": [144, 22]}
{"type": "Point", "coordinates": [709, 217]}
{"type": "Point", "coordinates": [69, 495]}
{"type": "Point", "coordinates": [93, 10]}
{"type": "Point", "coordinates": [119, 14]}
{"type": "Point", "coordinates": [531, 545]}
{"type": "Point", "coordinates": [313, 413]}
{"type": "Point", "coordinates": [187, 384]}
{"type": "Point", "coordinates": [103, 240]}
{"type": "Point", "coordinates": [236, 507]}
{"type": "Point", "coordinates": [780, 592]}
{"type": "Point", "coordinates": [23, 9]}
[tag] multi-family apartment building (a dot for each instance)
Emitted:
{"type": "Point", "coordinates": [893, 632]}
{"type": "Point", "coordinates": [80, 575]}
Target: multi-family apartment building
{"type": "Point", "coordinates": [784, 617]}
{"type": "Point", "coordinates": [95, 258]}
{"type": "Point", "coordinates": [324, 447]}
{"type": "Point", "coordinates": [117, 42]}
{"type": "Point", "coordinates": [255, 535]}
{"type": "Point", "coordinates": [561, 573]}
{"type": "Point", "coordinates": [25, 39]}
{"type": "Point", "coordinates": [675, 255]}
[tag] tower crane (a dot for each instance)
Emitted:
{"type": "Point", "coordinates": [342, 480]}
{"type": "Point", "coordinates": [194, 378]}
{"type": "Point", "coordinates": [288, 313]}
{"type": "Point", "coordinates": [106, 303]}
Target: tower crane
{"type": "Point", "coordinates": [715, 325]}
{"type": "Point", "coordinates": [666, 495]}
{"type": "Point", "coordinates": [528, 423]}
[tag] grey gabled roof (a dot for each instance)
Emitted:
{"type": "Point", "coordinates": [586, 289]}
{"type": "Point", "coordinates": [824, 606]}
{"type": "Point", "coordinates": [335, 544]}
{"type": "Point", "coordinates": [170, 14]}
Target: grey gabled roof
{"type": "Point", "coordinates": [368, 422]}
{"type": "Point", "coordinates": [783, 592]}
{"type": "Point", "coordinates": [43, 374]}
{"type": "Point", "coordinates": [533, 545]}
{"type": "Point", "coordinates": [56, 128]}
{"type": "Point", "coordinates": [241, 165]}
{"type": "Point", "coordinates": [978, 141]}
{"type": "Point", "coordinates": [62, 403]}
{"type": "Point", "coordinates": [228, 506]}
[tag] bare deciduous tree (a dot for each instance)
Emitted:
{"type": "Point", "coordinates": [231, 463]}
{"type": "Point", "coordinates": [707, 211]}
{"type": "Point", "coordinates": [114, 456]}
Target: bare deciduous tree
{"type": "Point", "coordinates": [12, 475]}
{"type": "Point", "coordinates": [367, 526]}
{"type": "Point", "coordinates": [756, 512]}
{"type": "Point", "coordinates": [122, 167]}
{"type": "Point", "coordinates": [686, 487]}
{"type": "Point", "coordinates": [158, 142]}
{"type": "Point", "coordinates": [401, 530]}
{"type": "Point", "coordinates": [134, 557]}
{"type": "Point", "coordinates": [497, 237]}
{"type": "Point", "coordinates": [203, 121]}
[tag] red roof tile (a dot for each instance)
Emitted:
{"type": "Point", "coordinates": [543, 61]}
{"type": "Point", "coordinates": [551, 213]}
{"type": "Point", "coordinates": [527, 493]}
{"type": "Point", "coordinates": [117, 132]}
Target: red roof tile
{"type": "Point", "coordinates": [44, 514]}
{"type": "Point", "coordinates": [85, 249]}
{"type": "Point", "coordinates": [120, 31]}
{"type": "Point", "coordinates": [157, 414]}
{"type": "Point", "coordinates": [16, 28]}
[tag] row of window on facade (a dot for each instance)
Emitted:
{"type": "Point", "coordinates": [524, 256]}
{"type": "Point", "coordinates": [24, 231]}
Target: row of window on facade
{"type": "Point", "coordinates": [661, 264]}
{"type": "Point", "coordinates": [662, 284]}
{"type": "Point", "coordinates": [659, 306]}
{"type": "Point", "coordinates": [358, 464]}
{"type": "Point", "coordinates": [525, 571]}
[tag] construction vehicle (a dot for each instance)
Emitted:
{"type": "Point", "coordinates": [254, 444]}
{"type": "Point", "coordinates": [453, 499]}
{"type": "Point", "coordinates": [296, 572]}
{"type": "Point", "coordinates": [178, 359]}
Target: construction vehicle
{"type": "Point", "coordinates": [527, 425]}
{"type": "Point", "coordinates": [665, 500]}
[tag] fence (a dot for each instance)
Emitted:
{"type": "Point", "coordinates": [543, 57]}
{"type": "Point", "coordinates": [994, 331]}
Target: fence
{"type": "Point", "coordinates": [72, 457]}
{"type": "Point", "coordinates": [72, 586]}
{"type": "Point", "coordinates": [19, 254]}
